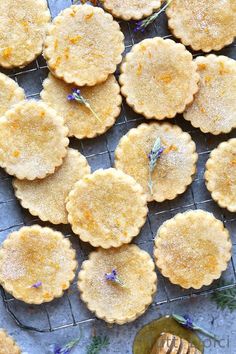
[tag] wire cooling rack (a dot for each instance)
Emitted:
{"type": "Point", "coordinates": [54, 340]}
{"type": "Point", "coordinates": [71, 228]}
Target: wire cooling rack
{"type": "Point", "coordinates": [69, 310]}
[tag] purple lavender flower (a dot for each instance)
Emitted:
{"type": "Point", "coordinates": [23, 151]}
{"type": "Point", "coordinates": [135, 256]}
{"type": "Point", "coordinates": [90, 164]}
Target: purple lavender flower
{"type": "Point", "coordinates": [66, 349]}
{"type": "Point", "coordinates": [139, 27]}
{"type": "Point", "coordinates": [37, 285]}
{"type": "Point", "coordinates": [113, 276]}
{"type": "Point", "coordinates": [153, 156]}
{"type": "Point", "coordinates": [188, 322]}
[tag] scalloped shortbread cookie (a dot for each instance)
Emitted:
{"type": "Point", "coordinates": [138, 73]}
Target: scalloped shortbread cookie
{"type": "Point", "coordinates": [113, 302]}
{"type": "Point", "coordinates": [159, 78]}
{"type": "Point", "coordinates": [36, 264]}
{"type": "Point", "coordinates": [10, 93]}
{"type": "Point", "coordinates": [7, 344]}
{"type": "Point", "coordinates": [192, 249]}
{"type": "Point", "coordinates": [203, 25]}
{"type": "Point", "coordinates": [214, 107]}
{"type": "Point", "coordinates": [84, 45]}
{"type": "Point", "coordinates": [23, 25]}
{"type": "Point", "coordinates": [131, 9]}
{"type": "Point", "coordinates": [220, 174]}
{"type": "Point", "coordinates": [46, 197]}
{"type": "Point", "coordinates": [107, 208]}
{"type": "Point", "coordinates": [105, 100]}
{"type": "Point", "coordinates": [32, 140]}
{"type": "Point", "coordinates": [174, 169]}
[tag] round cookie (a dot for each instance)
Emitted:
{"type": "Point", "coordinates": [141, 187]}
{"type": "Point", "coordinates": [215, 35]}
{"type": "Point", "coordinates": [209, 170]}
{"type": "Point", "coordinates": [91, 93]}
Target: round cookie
{"type": "Point", "coordinates": [10, 93]}
{"type": "Point", "coordinates": [175, 166]}
{"type": "Point", "coordinates": [23, 26]}
{"type": "Point", "coordinates": [104, 98]}
{"type": "Point", "coordinates": [7, 344]}
{"type": "Point", "coordinates": [32, 140]}
{"type": "Point", "coordinates": [214, 107]}
{"type": "Point", "coordinates": [113, 302]}
{"type": "Point", "coordinates": [36, 264]}
{"type": "Point", "coordinates": [203, 25]}
{"type": "Point", "coordinates": [131, 9]}
{"type": "Point", "coordinates": [220, 175]}
{"type": "Point", "coordinates": [159, 78]}
{"type": "Point", "coordinates": [84, 45]}
{"type": "Point", "coordinates": [107, 208]}
{"type": "Point", "coordinates": [192, 249]}
{"type": "Point", "coordinates": [46, 197]}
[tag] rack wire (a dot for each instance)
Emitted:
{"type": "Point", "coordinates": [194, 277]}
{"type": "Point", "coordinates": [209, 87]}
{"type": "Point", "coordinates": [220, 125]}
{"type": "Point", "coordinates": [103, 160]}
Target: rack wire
{"type": "Point", "coordinates": [69, 310]}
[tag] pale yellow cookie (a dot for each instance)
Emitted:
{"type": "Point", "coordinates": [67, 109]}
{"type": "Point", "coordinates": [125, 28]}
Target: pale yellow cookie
{"type": "Point", "coordinates": [36, 264]}
{"type": "Point", "coordinates": [131, 9]}
{"type": "Point", "coordinates": [214, 107]}
{"type": "Point", "coordinates": [169, 343]}
{"type": "Point", "coordinates": [192, 249]}
{"type": "Point", "coordinates": [10, 93]}
{"type": "Point", "coordinates": [7, 344]}
{"type": "Point", "coordinates": [159, 78]}
{"type": "Point", "coordinates": [105, 100]}
{"type": "Point", "coordinates": [220, 175]}
{"type": "Point", "coordinates": [46, 197]}
{"type": "Point", "coordinates": [32, 140]}
{"type": "Point", "coordinates": [107, 208]}
{"type": "Point", "coordinates": [112, 301]}
{"type": "Point", "coordinates": [174, 168]}
{"type": "Point", "coordinates": [23, 26]}
{"type": "Point", "coordinates": [203, 25]}
{"type": "Point", "coordinates": [84, 45]}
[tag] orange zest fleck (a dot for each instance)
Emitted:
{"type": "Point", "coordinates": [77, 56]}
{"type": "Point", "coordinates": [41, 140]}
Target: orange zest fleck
{"type": "Point", "coordinates": [202, 67]}
{"type": "Point", "coordinates": [139, 69]}
{"type": "Point", "coordinates": [7, 52]}
{"type": "Point", "coordinates": [89, 16]}
{"type": "Point", "coordinates": [208, 79]}
{"type": "Point", "coordinates": [75, 40]}
{"type": "Point", "coordinates": [16, 153]}
{"type": "Point", "coordinates": [223, 69]}
{"type": "Point", "coordinates": [170, 148]}
{"type": "Point", "coordinates": [166, 78]}
{"type": "Point", "coordinates": [56, 44]}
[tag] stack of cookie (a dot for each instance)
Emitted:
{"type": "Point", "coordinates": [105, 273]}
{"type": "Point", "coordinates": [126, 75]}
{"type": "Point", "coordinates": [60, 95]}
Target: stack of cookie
{"type": "Point", "coordinates": [154, 162]}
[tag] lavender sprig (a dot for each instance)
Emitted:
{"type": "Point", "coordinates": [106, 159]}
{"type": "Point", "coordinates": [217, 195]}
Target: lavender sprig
{"type": "Point", "coordinates": [113, 276]}
{"type": "Point", "coordinates": [143, 24]}
{"type": "Point", "coordinates": [37, 285]}
{"type": "Point", "coordinates": [153, 156]}
{"type": "Point", "coordinates": [188, 323]}
{"type": "Point", "coordinates": [76, 96]}
{"type": "Point", "coordinates": [67, 348]}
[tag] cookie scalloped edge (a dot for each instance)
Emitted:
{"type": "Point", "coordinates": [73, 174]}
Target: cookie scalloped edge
{"type": "Point", "coordinates": [115, 113]}
{"type": "Point", "coordinates": [101, 315]}
{"type": "Point", "coordinates": [136, 229]}
{"type": "Point", "coordinates": [67, 77]}
{"type": "Point", "coordinates": [209, 177]}
{"type": "Point", "coordinates": [189, 142]}
{"type": "Point", "coordinates": [178, 217]}
{"type": "Point", "coordinates": [138, 15]}
{"type": "Point", "coordinates": [173, 26]}
{"type": "Point", "coordinates": [189, 99]}
{"type": "Point", "coordinates": [60, 292]}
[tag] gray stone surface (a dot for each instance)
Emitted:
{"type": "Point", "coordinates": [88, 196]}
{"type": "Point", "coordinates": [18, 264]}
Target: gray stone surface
{"type": "Point", "coordinates": [99, 152]}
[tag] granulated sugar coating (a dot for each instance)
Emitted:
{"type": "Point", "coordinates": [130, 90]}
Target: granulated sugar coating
{"type": "Point", "coordinates": [214, 107]}
{"type": "Point", "coordinates": [10, 93]}
{"type": "Point", "coordinates": [35, 255]}
{"type": "Point", "coordinates": [192, 249]}
{"type": "Point", "coordinates": [7, 344]}
{"type": "Point", "coordinates": [169, 178]}
{"type": "Point", "coordinates": [204, 25]}
{"type": "Point", "coordinates": [107, 208]}
{"type": "Point", "coordinates": [110, 301]}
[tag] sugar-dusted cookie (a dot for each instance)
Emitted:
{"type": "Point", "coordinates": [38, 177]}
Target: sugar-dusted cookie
{"type": "Point", "coordinates": [23, 25]}
{"type": "Point", "coordinates": [214, 107]}
{"type": "Point", "coordinates": [107, 208]}
{"type": "Point", "coordinates": [118, 284]}
{"type": "Point", "coordinates": [192, 249]}
{"type": "Point", "coordinates": [159, 78]}
{"type": "Point", "coordinates": [84, 45]}
{"type": "Point", "coordinates": [220, 174]}
{"type": "Point", "coordinates": [36, 264]}
{"type": "Point", "coordinates": [7, 344]}
{"type": "Point", "coordinates": [10, 93]}
{"type": "Point", "coordinates": [32, 140]}
{"type": "Point", "coordinates": [104, 98]}
{"type": "Point", "coordinates": [46, 197]}
{"type": "Point", "coordinates": [203, 25]}
{"type": "Point", "coordinates": [131, 9]}
{"type": "Point", "coordinates": [175, 161]}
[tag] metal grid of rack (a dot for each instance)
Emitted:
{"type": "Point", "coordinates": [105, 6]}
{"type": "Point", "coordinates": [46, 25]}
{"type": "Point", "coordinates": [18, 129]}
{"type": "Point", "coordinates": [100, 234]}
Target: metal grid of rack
{"type": "Point", "coordinates": [69, 310]}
